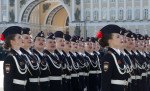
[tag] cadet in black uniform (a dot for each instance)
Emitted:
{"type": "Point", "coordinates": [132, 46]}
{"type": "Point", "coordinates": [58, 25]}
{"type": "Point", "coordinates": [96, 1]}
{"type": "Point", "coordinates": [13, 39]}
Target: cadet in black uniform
{"type": "Point", "coordinates": [124, 55]}
{"type": "Point", "coordinates": [15, 67]}
{"type": "Point", "coordinates": [33, 65]}
{"type": "Point", "coordinates": [93, 65]}
{"type": "Point", "coordinates": [39, 44]}
{"type": "Point", "coordinates": [75, 82]}
{"type": "Point", "coordinates": [59, 52]}
{"type": "Point", "coordinates": [148, 59]}
{"type": "Point", "coordinates": [113, 67]}
{"type": "Point", "coordinates": [99, 55]}
{"type": "Point", "coordinates": [143, 62]}
{"type": "Point", "coordinates": [54, 64]}
{"type": "Point", "coordinates": [67, 48]}
{"type": "Point", "coordinates": [82, 61]}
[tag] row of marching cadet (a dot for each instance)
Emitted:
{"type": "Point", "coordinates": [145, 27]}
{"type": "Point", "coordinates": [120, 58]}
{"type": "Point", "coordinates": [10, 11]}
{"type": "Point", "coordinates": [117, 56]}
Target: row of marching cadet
{"type": "Point", "coordinates": [60, 62]}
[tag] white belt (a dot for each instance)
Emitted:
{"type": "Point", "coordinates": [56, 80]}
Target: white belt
{"type": "Point", "coordinates": [55, 77]}
{"type": "Point", "coordinates": [68, 77]}
{"type": "Point", "coordinates": [81, 73]}
{"type": "Point", "coordinates": [44, 79]}
{"type": "Point", "coordinates": [119, 82]}
{"type": "Point", "coordinates": [149, 72]}
{"type": "Point", "coordinates": [63, 76]}
{"type": "Point", "coordinates": [144, 74]}
{"type": "Point", "coordinates": [138, 77]}
{"type": "Point", "coordinates": [74, 75]}
{"type": "Point", "coordinates": [20, 82]}
{"type": "Point", "coordinates": [129, 80]}
{"type": "Point", "coordinates": [34, 79]}
{"type": "Point", "coordinates": [99, 71]}
{"type": "Point", "coordinates": [86, 74]}
{"type": "Point", "coordinates": [92, 72]}
{"type": "Point", "coordinates": [132, 77]}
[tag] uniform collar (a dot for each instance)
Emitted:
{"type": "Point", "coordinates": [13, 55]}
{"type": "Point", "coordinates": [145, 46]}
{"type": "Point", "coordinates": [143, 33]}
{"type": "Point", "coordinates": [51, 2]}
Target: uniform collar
{"type": "Point", "coordinates": [19, 52]}
{"type": "Point", "coordinates": [40, 52]}
{"type": "Point", "coordinates": [29, 51]}
{"type": "Point", "coordinates": [60, 52]}
{"type": "Point", "coordinates": [117, 50]}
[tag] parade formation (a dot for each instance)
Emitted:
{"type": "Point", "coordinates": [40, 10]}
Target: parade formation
{"type": "Point", "coordinates": [116, 59]}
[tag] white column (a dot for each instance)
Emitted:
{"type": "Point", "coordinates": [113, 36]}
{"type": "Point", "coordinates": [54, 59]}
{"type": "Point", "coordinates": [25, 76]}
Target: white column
{"type": "Point", "coordinates": [91, 16]}
{"type": "Point", "coordinates": [0, 10]}
{"type": "Point", "coordinates": [108, 11]}
{"type": "Point", "coordinates": [148, 9]}
{"type": "Point", "coordinates": [82, 10]}
{"type": "Point", "coordinates": [16, 11]}
{"type": "Point", "coordinates": [73, 6]}
{"type": "Point", "coordinates": [133, 10]}
{"type": "Point", "coordinates": [7, 10]}
{"type": "Point", "coordinates": [141, 9]}
{"type": "Point", "coordinates": [116, 10]}
{"type": "Point", "coordinates": [125, 10]}
{"type": "Point", "coordinates": [100, 10]}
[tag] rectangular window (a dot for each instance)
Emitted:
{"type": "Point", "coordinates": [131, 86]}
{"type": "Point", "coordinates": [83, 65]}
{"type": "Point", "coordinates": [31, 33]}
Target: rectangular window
{"type": "Point", "coordinates": [4, 17]}
{"type": "Point", "coordinates": [145, 13]}
{"type": "Point", "coordinates": [121, 14]}
{"type": "Point", "coordinates": [137, 14]}
{"type": "Point", "coordinates": [129, 14]}
{"type": "Point", "coordinates": [87, 13]}
{"type": "Point", "coordinates": [95, 15]}
{"type": "Point", "coordinates": [104, 13]}
{"type": "Point", "coordinates": [112, 14]}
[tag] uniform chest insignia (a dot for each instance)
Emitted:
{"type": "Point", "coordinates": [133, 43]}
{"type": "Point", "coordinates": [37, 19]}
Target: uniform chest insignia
{"type": "Point", "coordinates": [106, 66]}
{"type": "Point", "coordinates": [22, 63]}
{"type": "Point", "coordinates": [7, 68]}
{"type": "Point", "coordinates": [119, 62]}
{"type": "Point", "coordinates": [33, 61]}
{"type": "Point", "coordinates": [132, 61]}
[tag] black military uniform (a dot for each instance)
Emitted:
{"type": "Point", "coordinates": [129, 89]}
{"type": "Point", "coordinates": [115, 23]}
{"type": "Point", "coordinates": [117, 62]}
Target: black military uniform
{"type": "Point", "coordinates": [44, 67]}
{"type": "Point", "coordinates": [67, 37]}
{"type": "Point", "coordinates": [93, 76]}
{"type": "Point", "coordinates": [148, 59]}
{"type": "Point", "coordinates": [99, 71]}
{"type": "Point", "coordinates": [82, 67]}
{"type": "Point", "coordinates": [55, 66]}
{"type": "Point", "coordinates": [75, 82]}
{"type": "Point", "coordinates": [143, 62]}
{"type": "Point", "coordinates": [15, 67]}
{"type": "Point", "coordinates": [33, 65]}
{"type": "Point", "coordinates": [113, 67]}
{"type": "Point", "coordinates": [63, 61]}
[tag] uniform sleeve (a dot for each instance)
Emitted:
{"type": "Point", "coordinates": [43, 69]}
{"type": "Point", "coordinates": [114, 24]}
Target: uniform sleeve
{"type": "Point", "coordinates": [8, 73]}
{"type": "Point", "coordinates": [107, 67]}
